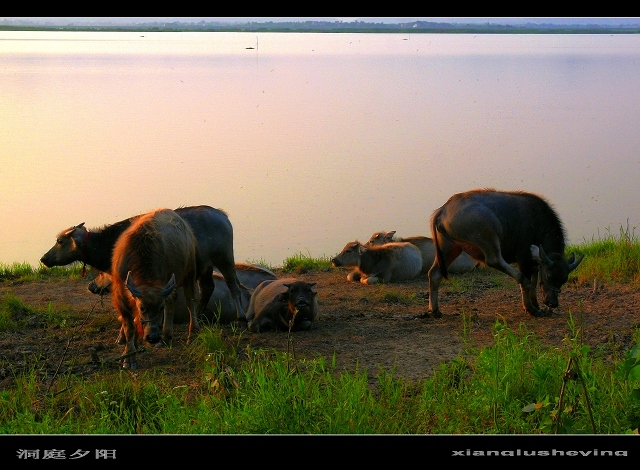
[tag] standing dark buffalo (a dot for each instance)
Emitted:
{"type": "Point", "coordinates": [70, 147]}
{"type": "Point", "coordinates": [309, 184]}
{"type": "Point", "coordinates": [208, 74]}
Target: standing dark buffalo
{"type": "Point", "coordinates": [499, 228]}
{"type": "Point", "coordinates": [214, 248]}
{"type": "Point", "coordinates": [153, 257]}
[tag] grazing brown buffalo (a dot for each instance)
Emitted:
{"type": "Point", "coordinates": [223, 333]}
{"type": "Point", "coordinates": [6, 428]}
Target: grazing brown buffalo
{"type": "Point", "coordinates": [391, 262]}
{"type": "Point", "coordinates": [214, 249]}
{"type": "Point", "coordinates": [156, 254]}
{"type": "Point", "coordinates": [282, 304]}
{"type": "Point", "coordinates": [462, 264]}
{"type": "Point", "coordinates": [499, 228]}
{"type": "Point", "coordinates": [221, 306]}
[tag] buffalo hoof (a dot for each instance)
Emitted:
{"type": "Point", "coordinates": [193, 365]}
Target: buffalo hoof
{"type": "Point", "coordinates": [436, 314]}
{"type": "Point", "coordinates": [129, 364]}
{"type": "Point", "coordinates": [541, 313]}
{"type": "Point", "coordinates": [241, 324]}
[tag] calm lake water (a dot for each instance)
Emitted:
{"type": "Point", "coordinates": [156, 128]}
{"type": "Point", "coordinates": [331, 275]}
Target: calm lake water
{"type": "Point", "coordinates": [309, 141]}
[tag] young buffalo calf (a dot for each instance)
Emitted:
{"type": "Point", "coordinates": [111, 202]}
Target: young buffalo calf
{"type": "Point", "coordinates": [391, 262]}
{"type": "Point", "coordinates": [282, 304]}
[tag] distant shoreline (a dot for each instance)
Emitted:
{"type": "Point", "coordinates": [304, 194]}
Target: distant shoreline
{"type": "Point", "coordinates": [415, 28]}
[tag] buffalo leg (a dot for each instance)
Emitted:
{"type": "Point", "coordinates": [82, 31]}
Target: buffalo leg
{"type": "Point", "coordinates": [167, 324]}
{"type": "Point", "coordinates": [437, 273]}
{"type": "Point", "coordinates": [231, 279]}
{"type": "Point", "coordinates": [190, 295]}
{"type": "Point", "coordinates": [527, 289]}
{"type": "Point", "coordinates": [129, 361]}
{"type": "Point", "coordinates": [534, 284]}
{"type": "Point", "coordinates": [207, 286]}
{"type": "Point", "coordinates": [435, 277]}
{"type": "Point", "coordinates": [121, 339]}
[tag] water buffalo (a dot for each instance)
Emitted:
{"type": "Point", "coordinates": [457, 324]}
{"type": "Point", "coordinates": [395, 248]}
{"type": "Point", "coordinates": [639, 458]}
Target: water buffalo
{"type": "Point", "coordinates": [499, 228]}
{"type": "Point", "coordinates": [462, 264]}
{"type": "Point", "coordinates": [221, 306]}
{"type": "Point", "coordinates": [391, 262]}
{"type": "Point", "coordinates": [282, 304]}
{"type": "Point", "coordinates": [214, 248]}
{"type": "Point", "coordinates": [156, 254]}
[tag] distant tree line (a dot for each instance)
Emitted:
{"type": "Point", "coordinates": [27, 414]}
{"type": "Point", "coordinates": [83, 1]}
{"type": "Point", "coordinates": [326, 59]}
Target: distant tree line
{"type": "Point", "coordinates": [328, 27]}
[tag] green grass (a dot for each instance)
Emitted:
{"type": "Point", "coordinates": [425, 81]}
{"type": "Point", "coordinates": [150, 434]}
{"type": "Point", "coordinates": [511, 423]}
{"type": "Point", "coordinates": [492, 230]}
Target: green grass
{"type": "Point", "coordinates": [23, 272]}
{"type": "Point", "coordinates": [611, 257]}
{"type": "Point", "coordinates": [14, 314]}
{"type": "Point", "coordinates": [302, 263]}
{"type": "Point", "coordinates": [515, 386]}
{"type": "Point", "coordinates": [512, 387]}
{"type": "Point", "coordinates": [298, 263]}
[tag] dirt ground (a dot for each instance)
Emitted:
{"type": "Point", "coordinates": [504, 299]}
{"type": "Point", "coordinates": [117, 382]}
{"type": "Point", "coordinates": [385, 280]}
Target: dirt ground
{"type": "Point", "coordinates": [365, 327]}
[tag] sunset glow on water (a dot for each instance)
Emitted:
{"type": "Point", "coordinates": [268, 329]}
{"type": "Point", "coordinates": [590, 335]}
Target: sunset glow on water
{"type": "Point", "coordinates": [308, 140]}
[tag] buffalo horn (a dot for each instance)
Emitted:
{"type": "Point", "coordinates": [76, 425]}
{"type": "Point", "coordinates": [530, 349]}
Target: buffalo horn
{"type": "Point", "coordinates": [132, 287]}
{"type": "Point", "coordinates": [168, 289]}
{"type": "Point", "coordinates": [574, 264]}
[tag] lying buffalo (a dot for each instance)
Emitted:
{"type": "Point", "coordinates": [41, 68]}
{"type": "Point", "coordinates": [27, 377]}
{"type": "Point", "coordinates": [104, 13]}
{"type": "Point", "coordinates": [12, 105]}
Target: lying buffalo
{"type": "Point", "coordinates": [153, 257]}
{"type": "Point", "coordinates": [284, 304]}
{"type": "Point", "coordinates": [221, 306]}
{"type": "Point", "coordinates": [499, 228]}
{"type": "Point", "coordinates": [214, 248]}
{"type": "Point", "coordinates": [391, 262]}
{"type": "Point", "coordinates": [462, 264]}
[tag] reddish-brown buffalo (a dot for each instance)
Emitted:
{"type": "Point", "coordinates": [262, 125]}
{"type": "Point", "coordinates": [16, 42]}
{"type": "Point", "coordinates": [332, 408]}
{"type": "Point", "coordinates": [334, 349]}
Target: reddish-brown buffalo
{"type": "Point", "coordinates": [221, 307]}
{"type": "Point", "coordinates": [151, 258]}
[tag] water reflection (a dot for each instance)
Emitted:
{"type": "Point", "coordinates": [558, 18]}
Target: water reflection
{"type": "Point", "coordinates": [311, 140]}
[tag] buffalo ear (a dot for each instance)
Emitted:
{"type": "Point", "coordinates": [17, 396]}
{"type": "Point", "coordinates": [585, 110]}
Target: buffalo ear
{"type": "Point", "coordinates": [78, 233]}
{"type": "Point", "coordinates": [70, 231]}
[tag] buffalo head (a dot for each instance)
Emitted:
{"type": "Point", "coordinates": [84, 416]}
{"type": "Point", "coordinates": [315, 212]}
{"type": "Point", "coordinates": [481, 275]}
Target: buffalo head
{"type": "Point", "coordinates": [150, 302]}
{"type": "Point", "coordinates": [554, 272]}
{"type": "Point", "coordinates": [101, 285]}
{"type": "Point", "coordinates": [68, 248]}
{"type": "Point", "coordinates": [302, 305]}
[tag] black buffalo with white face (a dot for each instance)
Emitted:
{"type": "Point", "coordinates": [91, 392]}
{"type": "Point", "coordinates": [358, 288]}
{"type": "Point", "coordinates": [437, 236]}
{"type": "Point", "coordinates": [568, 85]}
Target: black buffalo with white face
{"type": "Point", "coordinates": [285, 304]}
